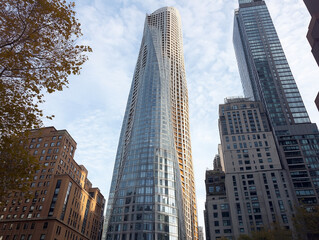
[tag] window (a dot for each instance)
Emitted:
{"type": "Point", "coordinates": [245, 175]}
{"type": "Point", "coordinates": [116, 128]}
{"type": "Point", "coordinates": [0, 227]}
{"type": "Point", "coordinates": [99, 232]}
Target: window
{"type": "Point", "coordinates": [224, 206]}
{"type": "Point", "coordinates": [42, 237]}
{"type": "Point", "coordinates": [45, 225]}
{"type": "Point", "coordinates": [226, 222]}
{"type": "Point", "coordinates": [66, 201]}
{"type": "Point", "coordinates": [284, 218]}
{"type": "Point", "coordinates": [58, 230]}
{"type": "Point", "coordinates": [225, 214]}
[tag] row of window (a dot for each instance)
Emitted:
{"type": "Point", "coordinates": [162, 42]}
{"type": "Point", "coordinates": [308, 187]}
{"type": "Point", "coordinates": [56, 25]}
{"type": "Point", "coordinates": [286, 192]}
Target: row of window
{"type": "Point", "coordinates": [40, 138]}
{"type": "Point", "coordinates": [52, 144]}
{"type": "Point", "coordinates": [243, 137]}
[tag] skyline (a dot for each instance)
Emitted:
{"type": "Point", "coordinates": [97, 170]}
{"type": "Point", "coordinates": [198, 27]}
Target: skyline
{"type": "Point", "coordinates": [211, 72]}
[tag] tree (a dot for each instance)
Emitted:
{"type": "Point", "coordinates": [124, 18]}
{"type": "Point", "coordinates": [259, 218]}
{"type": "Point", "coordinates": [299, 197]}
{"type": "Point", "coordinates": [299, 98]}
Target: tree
{"type": "Point", "coordinates": [244, 237]}
{"type": "Point", "coordinates": [16, 166]}
{"type": "Point", "coordinates": [38, 52]}
{"type": "Point", "coordinates": [262, 235]}
{"type": "Point", "coordinates": [306, 222]}
{"type": "Point", "coordinates": [276, 232]}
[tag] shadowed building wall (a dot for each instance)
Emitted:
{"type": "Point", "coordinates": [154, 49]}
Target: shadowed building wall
{"type": "Point", "coordinates": [313, 33]}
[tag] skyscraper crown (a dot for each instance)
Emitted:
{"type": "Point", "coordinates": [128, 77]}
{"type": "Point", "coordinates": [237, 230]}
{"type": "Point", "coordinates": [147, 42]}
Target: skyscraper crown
{"type": "Point", "coordinates": [248, 1]}
{"type": "Point", "coordinates": [165, 9]}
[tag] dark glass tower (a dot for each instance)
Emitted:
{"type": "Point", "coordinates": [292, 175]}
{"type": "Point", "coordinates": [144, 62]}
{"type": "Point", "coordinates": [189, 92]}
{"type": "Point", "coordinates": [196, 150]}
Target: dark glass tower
{"type": "Point", "coordinates": [266, 77]}
{"type": "Point", "coordinates": [152, 195]}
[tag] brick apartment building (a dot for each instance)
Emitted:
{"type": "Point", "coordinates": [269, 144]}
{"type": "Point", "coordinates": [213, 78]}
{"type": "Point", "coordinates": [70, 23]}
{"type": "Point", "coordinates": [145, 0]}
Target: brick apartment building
{"type": "Point", "coordinates": [62, 204]}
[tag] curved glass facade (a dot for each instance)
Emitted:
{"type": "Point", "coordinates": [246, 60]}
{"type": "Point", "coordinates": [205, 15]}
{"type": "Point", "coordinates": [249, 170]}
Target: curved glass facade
{"type": "Point", "coordinates": [146, 196]}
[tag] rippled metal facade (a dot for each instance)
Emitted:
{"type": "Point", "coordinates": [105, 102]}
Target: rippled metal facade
{"type": "Point", "coordinates": [152, 193]}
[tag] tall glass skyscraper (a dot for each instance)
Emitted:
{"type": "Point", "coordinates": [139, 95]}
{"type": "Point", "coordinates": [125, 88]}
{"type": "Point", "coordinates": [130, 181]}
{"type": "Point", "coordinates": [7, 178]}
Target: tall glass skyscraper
{"type": "Point", "coordinates": [266, 77]}
{"type": "Point", "coordinates": [152, 193]}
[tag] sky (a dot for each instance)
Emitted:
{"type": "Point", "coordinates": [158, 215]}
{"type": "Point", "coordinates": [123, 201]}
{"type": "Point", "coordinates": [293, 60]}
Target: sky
{"type": "Point", "coordinates": [92, 108]}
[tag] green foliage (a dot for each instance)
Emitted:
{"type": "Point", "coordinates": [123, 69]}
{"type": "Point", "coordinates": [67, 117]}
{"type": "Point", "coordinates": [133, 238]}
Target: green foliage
{"type": "Point", "coordinates": [275, 233]}
{"type": "Point", "coordinates": [306, 222]}
{"type": "Point", "coordinates": [38, 52]}
{"type": "Point", "coordinates": [262, 235]}
{"type": "Point", "coordinates": [244, 237]}
{"type": "Point", "coordinates": [16, 167]}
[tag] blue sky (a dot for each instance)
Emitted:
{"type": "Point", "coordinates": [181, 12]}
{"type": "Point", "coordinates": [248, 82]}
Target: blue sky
{"type": "Point", "coordinates": [92, 108]}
